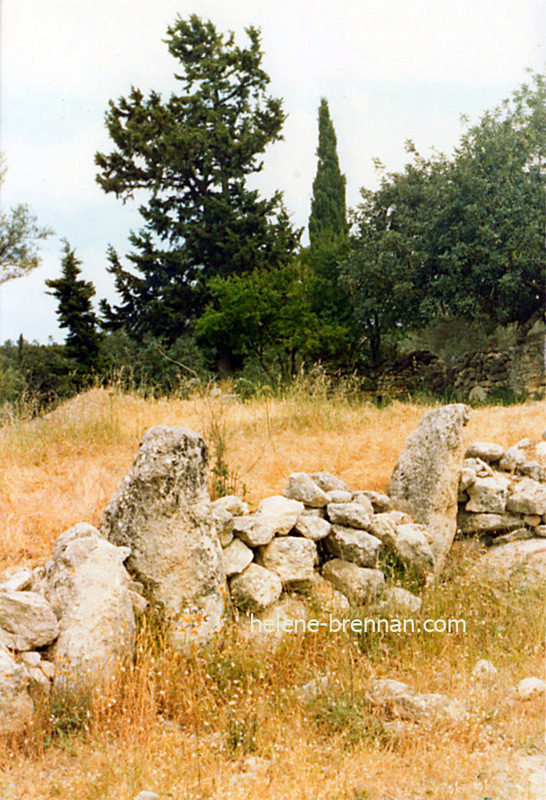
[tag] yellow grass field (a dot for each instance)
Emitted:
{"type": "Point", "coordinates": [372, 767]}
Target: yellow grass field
{"type": "Point", "coordinates": [228, 723]}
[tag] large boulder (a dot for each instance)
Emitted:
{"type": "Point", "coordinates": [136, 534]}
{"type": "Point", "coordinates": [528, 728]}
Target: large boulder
{"type": "Point", "coordinates": [90, 592]}
{"type": "Point", "coordinates": [162, 511]}
{"type": "Point", "coordinates": [426, 476]}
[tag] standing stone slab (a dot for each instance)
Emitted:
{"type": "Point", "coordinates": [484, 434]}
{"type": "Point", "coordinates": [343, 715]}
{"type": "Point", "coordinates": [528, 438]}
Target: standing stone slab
{"type": "Point", "coordinates": [426, 476]}
{"type": "Point", "coordinates": [162, 511]}
{"type": "Point", "coordinates": [90, 592]}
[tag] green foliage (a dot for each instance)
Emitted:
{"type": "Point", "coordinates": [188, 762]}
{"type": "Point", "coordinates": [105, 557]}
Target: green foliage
{"type": "Point", "coordinates": [265, 314]}
{"type": "Point", "coordinates": [19, 237]}
{"type": "Point", "coordinates": [75, 311]}
{"type": "Point", "coordinates": [192, 154]}
{"type": "Point", "coordinates": [328, 220]}
{"type": "Point", "coordinates": [35, 375]}
{"type": "Point", "coordinates": [460, 237]}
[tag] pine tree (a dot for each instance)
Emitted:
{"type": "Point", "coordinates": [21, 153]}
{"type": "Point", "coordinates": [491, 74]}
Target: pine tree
{"type": "Point", "coordinates": [328, 220]}
{"type": "Point", "coordinates": [75, 311]}
{"type": "Point", "coordinates": [192, 153]}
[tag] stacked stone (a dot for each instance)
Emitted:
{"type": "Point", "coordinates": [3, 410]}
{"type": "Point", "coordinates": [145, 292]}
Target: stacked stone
{"type": "Point", "coordinates": [63, 624]}
{"type": "Point", "coordinates": [502, 492]}
{"type": "Point", "coordinates": [319, 529]}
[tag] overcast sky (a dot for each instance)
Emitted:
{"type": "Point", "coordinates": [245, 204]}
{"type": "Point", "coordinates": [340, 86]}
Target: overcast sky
{"type": "Point", "coordinates": [391, 70]}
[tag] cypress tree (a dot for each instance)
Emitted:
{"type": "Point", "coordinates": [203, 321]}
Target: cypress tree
{"type": "Point", "coordinates": [328, 220]}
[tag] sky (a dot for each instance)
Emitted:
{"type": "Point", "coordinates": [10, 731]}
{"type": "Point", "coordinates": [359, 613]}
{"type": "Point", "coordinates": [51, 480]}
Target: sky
{"type": "Point", "coordinates": [391, 70]}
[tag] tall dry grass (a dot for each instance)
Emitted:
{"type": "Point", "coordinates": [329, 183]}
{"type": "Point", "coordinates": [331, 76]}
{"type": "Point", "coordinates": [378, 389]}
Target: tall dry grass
{"type": "Point", "coordinates": [229, 722]}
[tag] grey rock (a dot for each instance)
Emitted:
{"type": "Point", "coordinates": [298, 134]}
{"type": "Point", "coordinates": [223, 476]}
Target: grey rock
{"type": "Point", "coordinates": [89, 590]}
{"type": "Point", "coordinates": [163, 513]}
{"type": "Point", "coordinates": [16, 707]}
{"type": "Point", "coordinates": [511, 459]}
{"type": "Point", "coordinates": [359, 584]}
{"type": "Point", "coordinates": [223, 523]}
{"type": "Point", "coordinates": [312, 527]}
{"type": "Point", "coordinates": [528, 497]}
{"type": "Point", "coordinates": [29, 618]}
{"type": "Point", "coordinates": [487, 523]}
{"type": "Point", "coordinates": [291, 558]}
{"type": "Point", "coordinates": [486, 451]}
{"type": "Point", "coordinates": [236, 556]}
{"type": "Point", "coordinates": [534, 470]}
{"type": "Point", "coordinates": [411, 546]}
{"type": "Point", "coordinates": [255, 589]}
{"type": "Point", "coordinates": [397, 599]}
{"type": "Point", "coordinates": [478, 466]}
{"type": "Point", "coordinates": [519, 535]}
{"type": "Point", "coordinates": [487, 495]}
{"type": "Point", "coordinates": [328, 482]}
{"type": "Point", "coordinates": [339, 497]}
{"type": "Point", "coordinates": [468, 477]}
{"type": "Point", "coordinates": [353, 545]}
{"type": "Point", "coordinates": [426, 476]}
{"type": "Point", "coordinates": [232, 504]}
{"type": "Point", "coordinates": [282, 511]}
{"type": "Point", "coordinates": [147, 796]}
{"type": "Point", "coordinates": [351, 515]}
{"type": "Point", "coordinates": [18, 581]}
{"type": "Point", "coordinates": [380, 502]}
{"type": "Point", "coordinates": [302, 487]}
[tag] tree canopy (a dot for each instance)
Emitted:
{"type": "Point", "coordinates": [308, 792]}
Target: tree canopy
{"type": "Point", "coordinates": [460, 236]}
{"type": "Point", "coordinates": [192, 154]}
{"type": "Point", "coordinates": [19, 238]}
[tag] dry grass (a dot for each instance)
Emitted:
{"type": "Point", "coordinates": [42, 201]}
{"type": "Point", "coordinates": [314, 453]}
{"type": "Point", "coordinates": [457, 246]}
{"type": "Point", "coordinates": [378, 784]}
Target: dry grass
{"type": "Point", "coordinates": [189, 728]}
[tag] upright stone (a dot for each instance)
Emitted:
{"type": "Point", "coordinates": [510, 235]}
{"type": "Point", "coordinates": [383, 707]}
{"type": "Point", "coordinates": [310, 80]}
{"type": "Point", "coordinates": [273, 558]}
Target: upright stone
{"type": "Point", "coordinates": [426, 476]}
{"type": "Point", "coordinates": [162, 511]}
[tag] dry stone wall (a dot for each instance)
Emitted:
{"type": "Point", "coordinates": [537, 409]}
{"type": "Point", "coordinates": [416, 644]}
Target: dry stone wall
{"type": "Point", "coordinates": [65, 624]}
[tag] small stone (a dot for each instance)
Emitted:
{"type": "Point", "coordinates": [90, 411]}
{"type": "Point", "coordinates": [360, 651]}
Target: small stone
{"type": "Point", "coordinates": [353, 545]}
{"type": "Point", "coordinates": [312, 527]}
{"type": "Point", "coordinates": [511, 459]}
{"type": "Point", "coordinates": [520, 534]}
{"type": "Point", "coordinates": [282, 511]}
{"type": "Point", "coordinates": [486, 523]}
{"type": "Point", "coordinates": [29, 618]}
{"type": "Point", "coordinates": [339, 497]}
{"type": "Point", "coordinates": [255, 589]}
{"type": "Point", "coordinates": [487, 495]}
{"type": "Point", "coordinates": [380, 502]}
{"type": "Point", "coordinates": [351, 515]}
{"type": "Point", "coordinates": [529, 688]}
{"type": "Point", "coordinates": [313, 689]}
{"type": "Point", "coordinates": [412, 548]}
{"type": "Point", "coordinates": [292, 558]}
{"type": "Point", "coordinates": [234, 505]}
{"type": "Point", "coordinates": [302, 487]}
{"type": "Point", "coordinates": [359, 584]}
{"type": "Point", "coordinates": [48, 668]}
{"type": "Point", "coordinates": [484, 670]}
{"type": "Point", "coordinates": [223, 522]}
{"type": "Point", "coordinates": [328, 482]}
{"type": "Point", "coordinates": [532, 469]}
{"type": "Point", "coordinates": [532, 520]}
{"type": "Point", "coordinates": [147, 796]}
{"type": "Point", "coordinates": [524, 443]}
{"type": "Point", "coordinates": [540, 530]}
{"type": "Point", "coordinates": [236, 556]}
{"type": "Point", "coordinates": [18, 581]}
{"type": "Point", "coordinates": [486, 451]}
{"type": "Point", "coordinates": [468, 477]}
{"type": "Point", "coordinates": [398, 599]}
{"type": "Point", "coordinates": [139, 603]}
{"type": "Point", "coordinates": [31, 658]}
{"type": "Point", "coordinates": [481, 469]}
{"type": "Point", "coordinates": [528, 497]}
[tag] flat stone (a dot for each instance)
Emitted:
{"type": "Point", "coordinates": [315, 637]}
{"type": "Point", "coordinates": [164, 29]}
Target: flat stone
{"type": "Point", "coordinates": [351, 515]}
{"type": "Point", "coordinates": [534, 470]}
{"type": "Point", "coordinates": [302, 487]}
{"type": "Point", "coordinates": [18, 581]}
{"type": "Point", "coordinates": [481, 468]}
{"type": "Point", "coordinates": [353, 545]}
{"type": "Point", "coordinates": [339, 497]}
{"type": "Point", "coordinates": [255, 589]}
{"type": "Point", "coordinates": [486, 523]}
{"type": "Point", "coordinates": [486, 451]}
{"type": "Point", "coordinates": [397, 599]}
{"type": "Point", "coordinates": [519, 535]}
{"type": "Point", "coordinates": [359, 584]}
{"type": "Point", "coordinates": [532, 520]}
